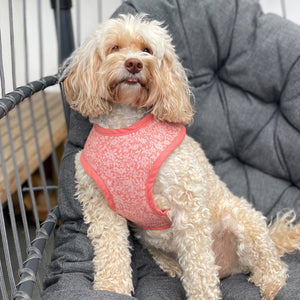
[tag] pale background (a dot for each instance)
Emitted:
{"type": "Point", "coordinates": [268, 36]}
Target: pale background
{"type": "Point", "coordinates": [89, 12]}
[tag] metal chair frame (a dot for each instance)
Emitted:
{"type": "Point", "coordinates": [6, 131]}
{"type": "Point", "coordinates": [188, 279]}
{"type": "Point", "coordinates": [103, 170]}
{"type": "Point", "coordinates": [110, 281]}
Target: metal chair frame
{"type": "Point", "coordinates": [28, 273]}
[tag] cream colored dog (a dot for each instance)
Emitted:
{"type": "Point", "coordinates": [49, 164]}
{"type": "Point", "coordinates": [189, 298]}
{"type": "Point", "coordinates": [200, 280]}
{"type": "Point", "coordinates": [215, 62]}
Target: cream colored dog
{"type": "Point", "coordinates": [127, 70]}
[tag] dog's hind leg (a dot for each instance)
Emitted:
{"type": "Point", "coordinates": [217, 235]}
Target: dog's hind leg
{"type": "Point", "coordinates": [255, 250]}
{"type": "Point", "coordinates": [166, 262]}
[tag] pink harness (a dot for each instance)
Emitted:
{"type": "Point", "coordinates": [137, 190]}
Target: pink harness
{"type": "Point", "coordinates": [124, 163]}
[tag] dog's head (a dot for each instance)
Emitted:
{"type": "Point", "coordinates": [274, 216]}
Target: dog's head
{"type": "Point", "coordinates": [132, 61]}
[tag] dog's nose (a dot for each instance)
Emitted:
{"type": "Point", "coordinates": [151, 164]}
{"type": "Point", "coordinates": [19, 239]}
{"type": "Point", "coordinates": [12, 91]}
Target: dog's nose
{"type": "Point", "coordinates": [133, 65]}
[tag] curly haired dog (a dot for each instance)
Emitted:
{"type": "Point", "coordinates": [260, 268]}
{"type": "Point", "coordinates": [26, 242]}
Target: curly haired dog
{"type": "Point", "coordinates": [139, 165]}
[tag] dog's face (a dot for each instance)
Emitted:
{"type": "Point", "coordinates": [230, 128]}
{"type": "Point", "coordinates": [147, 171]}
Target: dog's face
{"type": "Point", "coordinates": [129, 61]}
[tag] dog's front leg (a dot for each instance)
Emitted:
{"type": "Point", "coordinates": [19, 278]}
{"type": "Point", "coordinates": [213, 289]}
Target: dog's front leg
{"type": "Point", "coordinates": [109, 236]}
{"type": "Point", "coordinates": [193, 240]}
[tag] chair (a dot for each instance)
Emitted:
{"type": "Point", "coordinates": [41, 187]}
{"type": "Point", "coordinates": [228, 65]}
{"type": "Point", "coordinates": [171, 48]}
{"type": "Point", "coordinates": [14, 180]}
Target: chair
{"type": "Point", "coordinates": [33, 130]}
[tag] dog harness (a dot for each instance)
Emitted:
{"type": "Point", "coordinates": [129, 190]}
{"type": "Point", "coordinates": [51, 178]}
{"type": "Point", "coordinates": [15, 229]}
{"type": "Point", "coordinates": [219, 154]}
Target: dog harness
{"type": "Point", "coordinates": [124, 163]}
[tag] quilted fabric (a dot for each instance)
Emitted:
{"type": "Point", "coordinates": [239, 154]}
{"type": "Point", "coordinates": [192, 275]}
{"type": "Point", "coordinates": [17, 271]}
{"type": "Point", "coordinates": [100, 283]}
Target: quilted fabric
{"type": "Point", "coordinates": [244, 69]}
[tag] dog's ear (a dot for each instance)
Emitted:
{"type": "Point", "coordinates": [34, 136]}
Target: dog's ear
{"type": "Point", "coordinates": [172, 93]}
{"type": "Point", "coordinates": [82, 82]}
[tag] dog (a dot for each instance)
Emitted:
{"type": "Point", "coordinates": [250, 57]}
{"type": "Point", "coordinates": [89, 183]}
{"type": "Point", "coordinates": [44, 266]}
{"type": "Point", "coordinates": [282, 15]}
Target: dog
{"type": "Point", "coordinates": [139, 165]}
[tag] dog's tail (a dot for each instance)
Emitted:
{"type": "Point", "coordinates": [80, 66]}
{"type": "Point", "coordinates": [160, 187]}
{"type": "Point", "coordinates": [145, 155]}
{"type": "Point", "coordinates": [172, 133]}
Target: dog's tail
{"type": "Point", "coordinates": [285, 234]}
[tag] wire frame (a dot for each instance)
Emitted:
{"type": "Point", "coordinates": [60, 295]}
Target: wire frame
{"type": "Point", "coordinates": [25, 143]}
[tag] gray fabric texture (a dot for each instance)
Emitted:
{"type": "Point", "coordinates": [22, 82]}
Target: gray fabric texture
{"type": "Point", "coordinates": [244, 70]}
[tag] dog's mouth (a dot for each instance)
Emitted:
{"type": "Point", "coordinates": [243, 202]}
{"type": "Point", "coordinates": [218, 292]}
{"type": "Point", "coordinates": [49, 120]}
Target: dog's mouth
{"type": "Point", "coordinates": [131, 80]}
{"type": "Point", "coordinates": [129, 89]}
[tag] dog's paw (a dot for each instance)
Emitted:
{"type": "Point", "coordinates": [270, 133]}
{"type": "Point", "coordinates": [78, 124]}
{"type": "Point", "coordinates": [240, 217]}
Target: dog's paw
{"type": "Point", "coordinates": [114, 282]}
{"type": "Point", "coordinates": [120, 288]}
{"type": "Point", "coordinates": [270, 278]}
{"type": "Point", "coordinates": [172, 268]}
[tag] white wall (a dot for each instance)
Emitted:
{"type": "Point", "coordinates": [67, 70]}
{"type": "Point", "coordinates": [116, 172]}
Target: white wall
{"type": "Point", "coordinates": [88, 13]}
{"type": "Point", "coordinates": [291, 7]}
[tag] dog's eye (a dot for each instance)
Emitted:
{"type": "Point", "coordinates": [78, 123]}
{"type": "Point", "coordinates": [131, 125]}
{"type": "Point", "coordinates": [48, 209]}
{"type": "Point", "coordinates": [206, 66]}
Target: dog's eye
{"type": "Point", "coordinates": [147, 50]}
{"type": "Point", "coordinates": [115, 47]}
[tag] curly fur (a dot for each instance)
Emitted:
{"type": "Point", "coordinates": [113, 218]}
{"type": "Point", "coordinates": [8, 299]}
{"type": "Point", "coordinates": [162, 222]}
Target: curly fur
{"type": "Point", "coordinates": [214, 234]}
